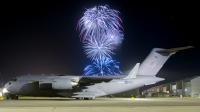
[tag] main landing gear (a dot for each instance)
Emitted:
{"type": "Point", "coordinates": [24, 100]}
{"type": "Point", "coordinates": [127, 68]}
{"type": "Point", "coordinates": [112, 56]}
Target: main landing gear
{"type": "Point", "coordinates": [83, 98]}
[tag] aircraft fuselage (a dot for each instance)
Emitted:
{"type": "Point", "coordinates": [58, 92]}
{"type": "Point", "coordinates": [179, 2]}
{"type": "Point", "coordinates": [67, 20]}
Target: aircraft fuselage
{"type": "Point", "coordinates": [28, 85]}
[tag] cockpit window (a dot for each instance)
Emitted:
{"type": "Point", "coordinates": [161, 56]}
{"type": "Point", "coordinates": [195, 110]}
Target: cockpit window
{"type": "Point", "coordinates": [14, 79]}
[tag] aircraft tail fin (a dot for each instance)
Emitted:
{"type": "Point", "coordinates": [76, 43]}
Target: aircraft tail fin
{"type": "Point", "coordinates": [156, 59]}
{"type": "Point", "coordinates": [133, 72]}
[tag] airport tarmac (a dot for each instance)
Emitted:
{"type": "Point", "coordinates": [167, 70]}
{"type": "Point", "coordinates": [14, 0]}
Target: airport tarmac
{"type": "Point", "coordinates": [38, 104]}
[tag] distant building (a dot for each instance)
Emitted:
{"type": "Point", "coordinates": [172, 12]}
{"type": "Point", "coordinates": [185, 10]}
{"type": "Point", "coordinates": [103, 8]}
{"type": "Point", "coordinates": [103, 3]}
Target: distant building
{"type": "Point", "coordinates": [185, 87]}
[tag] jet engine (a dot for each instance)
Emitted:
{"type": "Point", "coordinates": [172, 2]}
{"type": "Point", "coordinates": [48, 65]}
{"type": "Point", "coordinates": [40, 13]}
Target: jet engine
{"type": "Point", "coordinates": [63, 83]}
{"type": "Point", "coordinates": [45, 83]}
{"type": "Point", "coordinates": [57, 83]}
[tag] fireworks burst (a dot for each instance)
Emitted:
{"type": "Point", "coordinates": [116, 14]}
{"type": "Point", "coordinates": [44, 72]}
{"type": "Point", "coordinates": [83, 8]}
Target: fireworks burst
{"type": "Point", "coordinates": [102, 67]}
{"type": "Point", "coordinates": [98, 48]}
{"type": "Point", "coordinates": [100, 33]}
{"type": "Point", "coordinates": [97, 20]}
{"type": "Point", "coordinates": [116, 36]}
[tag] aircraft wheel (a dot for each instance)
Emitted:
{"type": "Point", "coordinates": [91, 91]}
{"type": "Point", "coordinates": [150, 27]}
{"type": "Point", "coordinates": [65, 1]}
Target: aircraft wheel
{"type": "Point", "coordinates": [11, 96]}
{"type": "Point", "coordinates": [79, 98]}
{"type": "Point", "coordinates": [87, 98]}
{"type": "Point", "coordinates": [15, 97]}
{"type": "Point", "coordinates": [6, 97]}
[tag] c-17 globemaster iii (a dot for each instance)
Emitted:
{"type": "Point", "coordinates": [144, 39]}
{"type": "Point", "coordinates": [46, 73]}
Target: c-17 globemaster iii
{"type": "Point", "coordinates": [89, 87]}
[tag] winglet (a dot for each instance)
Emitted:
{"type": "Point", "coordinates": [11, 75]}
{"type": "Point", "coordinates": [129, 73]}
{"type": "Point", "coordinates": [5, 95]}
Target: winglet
{"type": "Point", "coordinates": [173, 49]}
{"type": "Point", "coordinates": [133, 72]}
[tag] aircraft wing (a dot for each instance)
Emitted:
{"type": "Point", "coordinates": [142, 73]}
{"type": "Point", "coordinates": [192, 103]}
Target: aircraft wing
{"type": "Point", "coordinates": [98, 79]}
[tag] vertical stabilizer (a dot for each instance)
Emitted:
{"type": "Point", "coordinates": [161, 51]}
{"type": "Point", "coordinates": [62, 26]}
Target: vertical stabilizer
{"type": "Point", "coordinates": [133, 72]}
{"type": "Point", "coordinates": [156, 59]}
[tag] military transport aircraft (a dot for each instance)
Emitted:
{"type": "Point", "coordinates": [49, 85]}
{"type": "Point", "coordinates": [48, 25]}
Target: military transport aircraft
{"type": "Point", "coordinates": [89, 87]}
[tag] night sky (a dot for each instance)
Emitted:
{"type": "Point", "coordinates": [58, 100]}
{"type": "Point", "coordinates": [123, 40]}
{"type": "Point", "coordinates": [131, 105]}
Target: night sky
{"type": "Point", "coordinates": [41, 37]}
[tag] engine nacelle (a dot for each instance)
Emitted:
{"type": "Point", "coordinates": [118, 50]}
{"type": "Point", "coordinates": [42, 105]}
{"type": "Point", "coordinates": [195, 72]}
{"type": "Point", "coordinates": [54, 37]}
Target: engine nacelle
{"type": "Point", "coordinates": [45, 83]}
{"type": "Point", "coordinates": [57, 83]}
{"type": "Point", "coordinates": [63, 83]}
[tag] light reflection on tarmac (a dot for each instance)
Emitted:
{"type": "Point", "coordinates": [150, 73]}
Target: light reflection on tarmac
{"type": "Point", "coordinates": [39, 104]}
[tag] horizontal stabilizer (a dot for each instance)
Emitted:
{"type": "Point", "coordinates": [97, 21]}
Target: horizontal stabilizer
{"type": "Point", "coordinates": [173, 49]}
{"type": "Point", "coordinates": [133, 72]}
{"type": "Point", "coordinates": [156, 79]}
{"type": "Point", "coordinates": [150, 83]}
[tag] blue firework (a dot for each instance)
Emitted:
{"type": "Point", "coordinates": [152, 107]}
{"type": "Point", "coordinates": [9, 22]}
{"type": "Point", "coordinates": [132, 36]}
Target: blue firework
{"type": "Point", "coordinates": [102, 67]}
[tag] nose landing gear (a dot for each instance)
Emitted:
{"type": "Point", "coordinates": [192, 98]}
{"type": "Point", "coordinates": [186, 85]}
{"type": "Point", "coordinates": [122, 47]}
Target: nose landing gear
{"type": "Point", "coordinates": [10, 96]}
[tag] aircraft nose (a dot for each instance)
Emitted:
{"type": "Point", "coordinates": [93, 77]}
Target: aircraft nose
{"type": "Point", "coordinates": [6, 87]}
{"type": "Point", "coordinates": [5, 91]}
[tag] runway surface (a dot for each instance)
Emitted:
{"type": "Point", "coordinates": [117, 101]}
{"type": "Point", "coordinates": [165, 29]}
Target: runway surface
{"type": "Point", "coordinates": [37, 104]}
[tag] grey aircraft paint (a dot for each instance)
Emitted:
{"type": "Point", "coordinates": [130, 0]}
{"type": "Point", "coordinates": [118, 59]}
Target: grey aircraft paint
{"type": "Point", "coordinates": [91, 87]}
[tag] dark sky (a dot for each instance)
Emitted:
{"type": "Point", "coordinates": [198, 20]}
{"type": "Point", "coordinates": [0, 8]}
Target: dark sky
{"type": "Point", "coordinates": [41, 37]}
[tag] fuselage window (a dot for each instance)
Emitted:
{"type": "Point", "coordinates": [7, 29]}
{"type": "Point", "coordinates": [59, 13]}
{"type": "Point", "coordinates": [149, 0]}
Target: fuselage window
{"type": "Point", "coordinates": [9, 83]}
